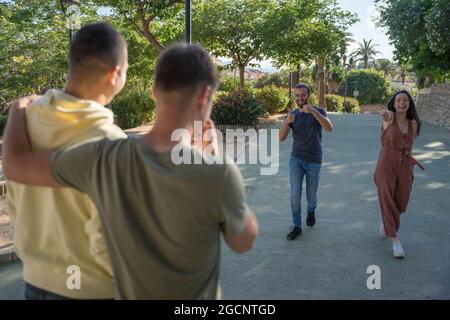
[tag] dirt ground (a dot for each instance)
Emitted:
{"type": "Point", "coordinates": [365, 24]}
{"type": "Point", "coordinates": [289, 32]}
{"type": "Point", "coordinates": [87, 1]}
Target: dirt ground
{"type": "Point", "coordinates": [6, 230]}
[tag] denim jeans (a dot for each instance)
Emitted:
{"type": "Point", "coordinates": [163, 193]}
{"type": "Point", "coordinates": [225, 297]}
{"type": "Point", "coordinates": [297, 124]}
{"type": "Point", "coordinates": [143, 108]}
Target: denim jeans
{"type": "Point", "coordinates": [298, 169]}
{"type": "Point", "coordinates": [34, 293]}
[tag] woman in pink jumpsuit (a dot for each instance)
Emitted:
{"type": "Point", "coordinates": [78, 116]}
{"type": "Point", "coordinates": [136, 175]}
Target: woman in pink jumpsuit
{"type": "Point", "coordinates": [394, 172]}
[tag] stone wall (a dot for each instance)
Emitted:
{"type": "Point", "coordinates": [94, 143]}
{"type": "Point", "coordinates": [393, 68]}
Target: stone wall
{"type": "Point", "coordinates": [433, 104]}
{"type": "Point", "coordinates": [372, 108]}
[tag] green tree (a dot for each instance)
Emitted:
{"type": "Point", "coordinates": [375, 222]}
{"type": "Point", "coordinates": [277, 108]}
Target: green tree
{"type": "Point", "coordinates": [34, 45]}
{"type": "Point", "coordinates": [372, 85]}
{"type": "Point", "coordinates": [160, 22]}
{"type": "Point", "coordinates": [365, 52]}
{"type": "Point", "coordinates": [385, 66]}
{"type": "Point", "coordinates": [418, 29]}
{"type": "Point", "coordinates": [308, 31]}
{"type": "Point", "coordinates": [402, 71]}
{"type": "Point", "coordinates": [233, 28]}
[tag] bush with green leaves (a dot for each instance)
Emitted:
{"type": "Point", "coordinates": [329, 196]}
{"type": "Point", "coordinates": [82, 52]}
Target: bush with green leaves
{"type": "Point", "coordinates": [373, 87]}
{"type": "Point", "coordinates": [273, 99]}
{"type": "Point", "coordinates": [236, 108]}
{"type": "Point", "coordinates": [3, 120]}
{"type": "Point", "coordinates": [351, 105]}
{"type": "Point", "coordinates": [334, 103]}
{"type": "Point", "coordinates": [133, 108]}
{"type": "Point", "coordinates": [314, 100]}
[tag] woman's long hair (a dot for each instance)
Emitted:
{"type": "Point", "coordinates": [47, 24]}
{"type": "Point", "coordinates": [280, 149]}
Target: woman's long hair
{"type": "Point", "coordinates": [411, 114]}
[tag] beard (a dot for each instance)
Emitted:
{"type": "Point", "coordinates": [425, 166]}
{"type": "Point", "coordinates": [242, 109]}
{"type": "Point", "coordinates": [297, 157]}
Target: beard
{"type": "Point", "coordinates": [300, 104]}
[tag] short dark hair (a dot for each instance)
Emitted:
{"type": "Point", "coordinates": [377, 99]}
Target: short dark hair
{"type": "Point", "coordinates": [97, 46]}
{"type": "Point", "coordinates": [303, 86]}
{"type": "Point", "coordinates": [185, 66]}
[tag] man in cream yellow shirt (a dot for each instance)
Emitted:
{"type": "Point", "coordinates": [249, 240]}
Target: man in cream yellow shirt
{"type": "Point", "coordinates": [58, 232]}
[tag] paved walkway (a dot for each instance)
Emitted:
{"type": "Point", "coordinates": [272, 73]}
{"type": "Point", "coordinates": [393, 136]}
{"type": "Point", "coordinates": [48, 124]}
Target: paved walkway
{"type": "Point", "coordinates": [329, 261]}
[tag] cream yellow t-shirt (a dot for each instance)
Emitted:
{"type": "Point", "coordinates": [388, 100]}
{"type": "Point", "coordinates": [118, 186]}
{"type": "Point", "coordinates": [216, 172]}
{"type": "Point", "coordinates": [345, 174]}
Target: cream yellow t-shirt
{"type": "Point", "coordinates": [58, 228]}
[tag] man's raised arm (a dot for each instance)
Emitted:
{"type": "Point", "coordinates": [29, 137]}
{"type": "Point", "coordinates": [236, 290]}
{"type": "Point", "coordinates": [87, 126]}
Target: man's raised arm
{"type": "Point", "coordinates": [20, 164]}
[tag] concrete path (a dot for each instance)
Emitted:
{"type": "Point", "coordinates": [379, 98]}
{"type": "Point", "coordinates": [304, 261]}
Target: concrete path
{"type": "Point", "coordinates": [329, 261]}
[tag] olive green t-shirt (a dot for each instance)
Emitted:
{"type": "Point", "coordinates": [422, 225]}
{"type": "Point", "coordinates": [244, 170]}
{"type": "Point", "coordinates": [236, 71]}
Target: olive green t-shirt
{"type": "Point", "coordinates": [162, 221]}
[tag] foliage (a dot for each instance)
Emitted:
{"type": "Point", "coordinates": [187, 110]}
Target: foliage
{"type": "Point", "coordinates": [228, 83]}
{"type": "Point", "coordinates": [233, 28]}
{"type": "Point", "coordinates": [419, 31]}
{"type": "Point", "coordinates": [239, 108]}
{"type": "Point", "coordinates": [351, 105]}
{"type": "Point", "coordinates": [279, 79]}
{"type": "Point", "coordinates": [133, 108]}
{"type": "Point", "coordinates": [334, 103]}
{"type": "Point", "coordinates": [3, 120]}
{"type": "Point", "coordinates": [306, 29]}
{"type": "Point", "coordinates": [159, 22]}
{"type": "Point", "coordinates": [366, 51]}
{"type": "Point", "coordinates": [274, 99]}
{"type": "Point", "coordinates": [372, 85]}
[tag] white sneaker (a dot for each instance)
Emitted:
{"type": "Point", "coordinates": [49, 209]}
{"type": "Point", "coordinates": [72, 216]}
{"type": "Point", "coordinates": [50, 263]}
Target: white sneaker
{"type": "Point", "coordinates": [383, 234]}
{"type": "Point", "coordinates": [397, 249]}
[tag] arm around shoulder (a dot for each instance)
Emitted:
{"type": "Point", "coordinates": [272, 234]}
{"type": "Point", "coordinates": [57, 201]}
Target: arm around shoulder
{"type": "Point", "coordinates": [20, 164]}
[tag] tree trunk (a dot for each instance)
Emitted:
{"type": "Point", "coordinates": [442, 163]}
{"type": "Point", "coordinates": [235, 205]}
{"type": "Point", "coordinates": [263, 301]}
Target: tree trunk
{"type": "Point", "coordinates": [296, 76]}
{"type": "Point", "coordinates": [241, 77]}
{"type": "Point", "coordinates": [321, 77]}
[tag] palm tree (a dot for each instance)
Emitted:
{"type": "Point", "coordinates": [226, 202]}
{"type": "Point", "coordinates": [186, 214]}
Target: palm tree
{"type": "Point", "coordinates": [345, 42]}
{"type": "Point", "coordinates": [402, 71]}
{"type": "Point", "coordinates": [365, 52]}
{"type": "Point", "coordinates": [386, 66]}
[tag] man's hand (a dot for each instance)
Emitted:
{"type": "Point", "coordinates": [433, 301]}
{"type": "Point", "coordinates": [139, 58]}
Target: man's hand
{"type": "Point", "coordinates": [307, 108]}
{"type": "Point", "coordinates": [210, 137]}
{"type": "Point", "coordinates": [290, 117]}
{"type": "Point", "coordinates": [20, 164]}
{"type": "Point", "coordinates": [24, 102]}
{"type": "Point", "coordinates": [206, 138]}
{"type": "Point", "coordinates": [323, 120]}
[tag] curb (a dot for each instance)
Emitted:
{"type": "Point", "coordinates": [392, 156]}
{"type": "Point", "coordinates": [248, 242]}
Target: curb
{"type": "Point", "coordinates": [7, 255]}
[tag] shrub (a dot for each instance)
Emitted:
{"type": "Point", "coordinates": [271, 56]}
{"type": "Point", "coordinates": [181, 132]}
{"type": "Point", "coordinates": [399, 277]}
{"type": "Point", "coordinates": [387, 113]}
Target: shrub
{"type": "Point", "coordinates": [372, 85]}
{"type": "Point", "coordinates": [334, 103]}
{"type": "Point", "coordinates": [273, 99]}
{"type": "Point", "coordinates": [239, 108]}
{"type": "Point", "coordinates": [133, 109]}
{"type": "Point", "coordinates": [351, 105]}
{"type": "Point", "coordinates": [313, 99]}
{"type": "Point", "coordinates": [3, 120]}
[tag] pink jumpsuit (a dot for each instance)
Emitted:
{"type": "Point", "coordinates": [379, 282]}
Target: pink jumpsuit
{"type": "Point", "coordinates": [394, 175]}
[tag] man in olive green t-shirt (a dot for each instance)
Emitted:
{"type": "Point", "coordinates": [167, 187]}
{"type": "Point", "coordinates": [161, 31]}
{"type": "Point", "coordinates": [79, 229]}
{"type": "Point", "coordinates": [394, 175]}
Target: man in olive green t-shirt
{"type": "Point", "coordinates": [162, 221]}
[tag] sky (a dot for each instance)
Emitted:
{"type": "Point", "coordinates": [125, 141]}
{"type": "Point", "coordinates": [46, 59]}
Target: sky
{"type": "Point", "coordinates": [364, 29]}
